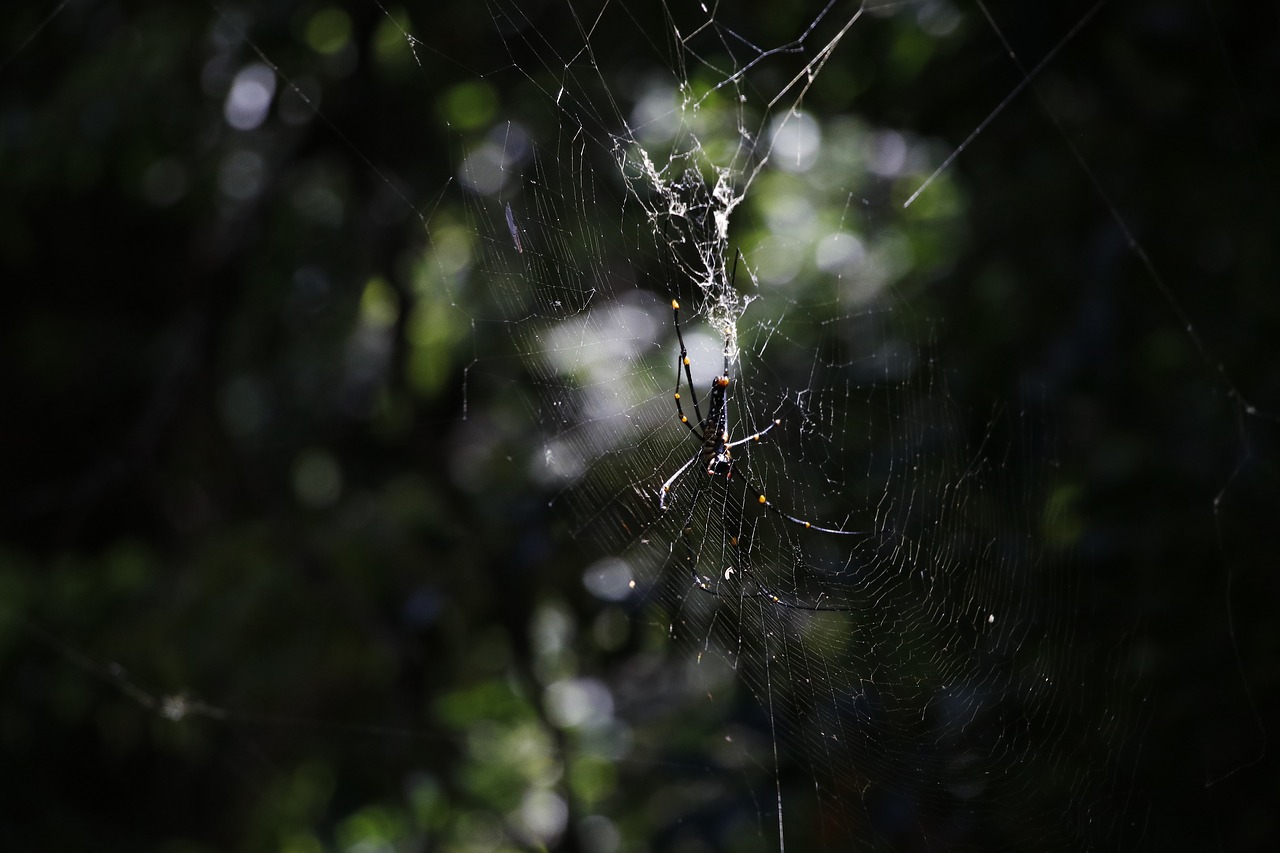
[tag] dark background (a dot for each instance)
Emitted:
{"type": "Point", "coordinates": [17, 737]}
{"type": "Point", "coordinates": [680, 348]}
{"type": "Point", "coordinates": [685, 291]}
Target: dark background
{"type": "Point", "coordinates": [156, 544]}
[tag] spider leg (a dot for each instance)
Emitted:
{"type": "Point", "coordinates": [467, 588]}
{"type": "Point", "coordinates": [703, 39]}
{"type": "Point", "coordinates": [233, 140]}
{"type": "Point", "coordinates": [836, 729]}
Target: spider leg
{"type": "Point", "coordinates": [755, 437]}
{"type": "Point", "coordinates": [764, 501]}
{"type": "Point", "coordinates": [683, 362]}
{"type": "Point", "coordinates": [666, 487]}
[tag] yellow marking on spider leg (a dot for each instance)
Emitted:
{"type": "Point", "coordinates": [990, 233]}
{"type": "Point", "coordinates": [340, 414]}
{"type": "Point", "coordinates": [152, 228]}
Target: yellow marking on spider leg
{"type": "Point", "coordinates": [675, 306]}
{"type": "Point", "coordinates": [677, 395]}
{"type": "Point", "coordinates": [683, 419]}
{"type": "Point", "coordinates": [763, 499]}
{"type": "Point", "coordinates": [686, 360]}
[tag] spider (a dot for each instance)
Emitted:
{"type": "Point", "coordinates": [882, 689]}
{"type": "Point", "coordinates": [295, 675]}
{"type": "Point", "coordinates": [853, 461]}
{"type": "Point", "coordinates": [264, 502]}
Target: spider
{"type": "Point", "coordinates": [716, 448]}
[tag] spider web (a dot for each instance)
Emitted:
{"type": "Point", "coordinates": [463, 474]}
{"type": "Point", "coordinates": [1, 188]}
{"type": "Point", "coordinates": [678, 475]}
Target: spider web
{"type": "Point", "coordinates": [917, 664]}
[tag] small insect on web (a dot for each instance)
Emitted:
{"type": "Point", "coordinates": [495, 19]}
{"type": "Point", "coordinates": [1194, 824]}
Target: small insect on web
{"type": "Point", "coordinates": [715, 452]}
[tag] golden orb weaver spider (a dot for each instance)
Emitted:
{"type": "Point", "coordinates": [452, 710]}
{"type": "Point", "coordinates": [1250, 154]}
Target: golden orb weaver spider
{"type": "Point", "coordinates": [716, 450]}
{"type": "Point", "coordinates": [713, 432]}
